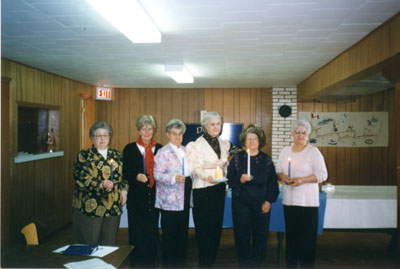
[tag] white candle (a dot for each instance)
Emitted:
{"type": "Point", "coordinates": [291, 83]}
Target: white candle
{"type": "Point", "coordinates": [248, 162]}
{"type": "Point", "coordinates": [183, 166]}
{"type": "Point", "coordinates": [218, 173]}
{"type": "Point", "coordinates": [289, 161]}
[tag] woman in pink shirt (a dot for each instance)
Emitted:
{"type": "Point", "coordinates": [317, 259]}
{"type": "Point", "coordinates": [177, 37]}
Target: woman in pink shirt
{"type": "Point", "coordinates": [301, 167]}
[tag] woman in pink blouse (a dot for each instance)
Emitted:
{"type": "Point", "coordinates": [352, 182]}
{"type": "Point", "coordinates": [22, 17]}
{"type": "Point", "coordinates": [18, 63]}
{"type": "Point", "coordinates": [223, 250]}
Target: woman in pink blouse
{"type": "Point", "coordinates": [301, 167]}
{"type": "Point", "coordinates": [173, 195]}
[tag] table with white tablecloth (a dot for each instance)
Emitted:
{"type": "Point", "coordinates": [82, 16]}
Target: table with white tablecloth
{"type": "Point", "coordinates": [347, 207]}
{"type": "Point", "coordinates": [361, 207]}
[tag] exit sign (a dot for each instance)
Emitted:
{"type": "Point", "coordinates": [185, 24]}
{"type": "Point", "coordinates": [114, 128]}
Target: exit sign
{"type": "Point", "coordinates": [103, 93]}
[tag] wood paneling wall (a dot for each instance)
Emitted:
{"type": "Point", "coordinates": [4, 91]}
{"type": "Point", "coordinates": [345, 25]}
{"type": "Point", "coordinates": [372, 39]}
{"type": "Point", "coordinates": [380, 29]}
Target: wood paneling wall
{"type": "Point", "coordinates": [5, 160]}
{"type": "Point", "coordinates": [41, 191]}
{"type": "Point", "coordinates": [360, 166]}
{"type": "Point", "coordinates": [235, 105]}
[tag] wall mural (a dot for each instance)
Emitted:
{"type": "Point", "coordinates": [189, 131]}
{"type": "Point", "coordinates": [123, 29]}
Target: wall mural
{"type": "Point", "coordinates": [347, 129]}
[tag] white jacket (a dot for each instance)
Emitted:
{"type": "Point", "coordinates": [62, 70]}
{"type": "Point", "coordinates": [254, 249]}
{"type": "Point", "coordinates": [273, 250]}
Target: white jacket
{"type": "Point", "coordinates": [203, 160]}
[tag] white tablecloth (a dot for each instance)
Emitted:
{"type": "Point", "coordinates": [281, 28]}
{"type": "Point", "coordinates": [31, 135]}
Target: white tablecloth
{"type": "Point", "coordinates": [361, 207]}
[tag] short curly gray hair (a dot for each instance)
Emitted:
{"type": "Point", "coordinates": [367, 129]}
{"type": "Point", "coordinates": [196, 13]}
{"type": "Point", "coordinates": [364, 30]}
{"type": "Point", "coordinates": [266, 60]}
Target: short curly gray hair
{"type": "Point", "coordinates": [207, 116]}
{"type": "Point", "coordinates": [253, 129]}
{"type": "Point", "coordinates": [99, 125]}
{"type": "Point", "coordinates": [301, 123]}
{"type": "Point", "coordinates": [145, 120]}
{"type": "Point", "coordinates": [177, 124]}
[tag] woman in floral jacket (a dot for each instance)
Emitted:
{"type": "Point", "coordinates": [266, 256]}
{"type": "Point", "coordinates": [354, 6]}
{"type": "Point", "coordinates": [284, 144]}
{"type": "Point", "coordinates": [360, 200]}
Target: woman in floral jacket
{"type": "Point", "coordinates": [173, 195]}
{"type": "Point", "coordinates": [100, 192]}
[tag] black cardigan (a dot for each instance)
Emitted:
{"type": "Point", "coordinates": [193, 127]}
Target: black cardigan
{"type": "Point", "coordinates": [141, 198]}
{"type": "Point", "coordinates": [263, 186]}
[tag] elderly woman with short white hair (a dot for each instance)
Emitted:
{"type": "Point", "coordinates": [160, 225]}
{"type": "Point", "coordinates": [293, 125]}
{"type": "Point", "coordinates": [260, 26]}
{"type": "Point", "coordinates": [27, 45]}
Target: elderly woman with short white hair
{"type": "Point", "coordinates": [173, 195]}
{"type": "Point", "coordinates": [206, 155]}
{"type": "Point", "coordinates": [99, 192]}
{"type": "Point", "coordinates": [301, 167]}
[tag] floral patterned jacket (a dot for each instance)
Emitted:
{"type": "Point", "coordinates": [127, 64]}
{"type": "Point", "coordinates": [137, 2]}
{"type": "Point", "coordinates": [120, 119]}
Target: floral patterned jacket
{"type": "Point", "coordinates": [90, 169]}
{"type": "Point", "coordinates": [169, 194]}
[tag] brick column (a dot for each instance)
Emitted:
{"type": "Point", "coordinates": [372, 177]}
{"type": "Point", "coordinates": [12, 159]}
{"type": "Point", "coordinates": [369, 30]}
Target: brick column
{"type": "Point", "coordinates": [281, 126]}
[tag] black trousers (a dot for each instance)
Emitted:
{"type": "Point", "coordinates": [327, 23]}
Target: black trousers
{"type": "Point", "coordinates": [144, 236]}
{"type": "Point", "coordinates": [208, 214]}
{"type": "Point", "coordinates": [301, 235]}
{"type": "Point", "coordinates": [250, 222]}
{"type": "Point", "coordinates": [175, 225]}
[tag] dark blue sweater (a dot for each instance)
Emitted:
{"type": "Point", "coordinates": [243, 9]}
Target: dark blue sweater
{"type": "Point", "coordinates": [263, 186]}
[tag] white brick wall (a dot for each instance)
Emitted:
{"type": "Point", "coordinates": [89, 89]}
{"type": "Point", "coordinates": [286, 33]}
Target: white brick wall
{"type": "Point", "coordinates": [281, 126]}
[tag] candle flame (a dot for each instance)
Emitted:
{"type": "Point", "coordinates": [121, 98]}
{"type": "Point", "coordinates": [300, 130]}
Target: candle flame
{"type": "Point", "coordinates": [248, 151]}
{"type": "Point", "coordinates": [289, 159]}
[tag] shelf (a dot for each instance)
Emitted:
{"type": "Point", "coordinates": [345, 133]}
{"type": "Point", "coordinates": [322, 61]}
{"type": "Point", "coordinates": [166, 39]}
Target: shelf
{"type": "Point", "coordinates": [35, 157]}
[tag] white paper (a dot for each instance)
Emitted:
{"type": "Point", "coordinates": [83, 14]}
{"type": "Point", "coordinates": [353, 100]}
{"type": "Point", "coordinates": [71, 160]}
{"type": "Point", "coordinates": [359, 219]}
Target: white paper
{"type": "Point", "coordinates": [100, 252]}
{"type": "Point", "coordinates": [103, 251]}
{"type": "Point", "coordinates": [92, 263]}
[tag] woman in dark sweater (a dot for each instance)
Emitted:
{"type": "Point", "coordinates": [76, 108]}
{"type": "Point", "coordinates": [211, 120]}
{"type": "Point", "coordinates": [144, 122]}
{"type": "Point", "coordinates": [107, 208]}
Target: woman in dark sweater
{"type": "Point", "coordinates": [138, 160]}
{"type": "Point", "coordinates": [252, 195]}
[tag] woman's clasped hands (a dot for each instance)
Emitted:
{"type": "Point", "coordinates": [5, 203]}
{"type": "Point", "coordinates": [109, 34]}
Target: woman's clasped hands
{"type": "Point", "coordinates": [295, 181]}
{"type": "Point", "coordinates": [245, 178]}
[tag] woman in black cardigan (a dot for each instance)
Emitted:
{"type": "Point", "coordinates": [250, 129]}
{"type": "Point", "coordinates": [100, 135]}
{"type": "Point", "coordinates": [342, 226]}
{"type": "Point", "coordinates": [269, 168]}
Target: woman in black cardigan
{"type": "Point", "coordinates": [138, 165]}
{"type": "Point", "coordinates": [253, 191]}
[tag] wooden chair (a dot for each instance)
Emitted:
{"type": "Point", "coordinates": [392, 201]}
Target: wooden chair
{"type": "Point", "coordinates": [30, 233]}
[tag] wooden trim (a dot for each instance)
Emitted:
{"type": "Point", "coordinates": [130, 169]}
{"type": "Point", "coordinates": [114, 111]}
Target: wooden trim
{"type": "Point", "coordinates": [33, 105]}
{"type": "Point", "coordinates": [397, 109]}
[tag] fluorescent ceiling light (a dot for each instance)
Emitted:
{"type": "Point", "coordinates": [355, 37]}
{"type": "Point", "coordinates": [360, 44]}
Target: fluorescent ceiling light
{"type": "Point", "coordinates": [129, 17]}
{"type": "Point", "coordinates": [179, 73]}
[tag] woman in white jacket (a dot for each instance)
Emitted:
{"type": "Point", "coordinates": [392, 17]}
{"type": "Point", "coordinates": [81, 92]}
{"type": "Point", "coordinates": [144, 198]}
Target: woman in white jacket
{"type": "Point", "coordinates": [207, 154]}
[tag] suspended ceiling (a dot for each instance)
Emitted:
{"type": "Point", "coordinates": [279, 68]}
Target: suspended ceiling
{"type": "Point", "coordinates": [229, 43]}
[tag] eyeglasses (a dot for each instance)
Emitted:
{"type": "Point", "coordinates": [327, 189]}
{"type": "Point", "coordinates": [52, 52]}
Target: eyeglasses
{"type": "Point", "coordinates": [300, 133]}
{"type": "Point", "coordinates": [105, 136]}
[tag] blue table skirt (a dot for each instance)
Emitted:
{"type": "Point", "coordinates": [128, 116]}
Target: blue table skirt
{"type": "Point", "coordinates": [277, 221]}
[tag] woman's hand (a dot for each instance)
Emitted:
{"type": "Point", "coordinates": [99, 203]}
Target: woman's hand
{"type": "Point", "coordinates": [142, 178]}
{"type": "Point", "coordinates": [180, 179]}
{"type": "Point", "coordinates": [297, 181]}
{"type": "Point", "coordinates": [210, 179]}
{"type": "Point", "coordinates": [123, 197]}
{"type": "Point", "coordinates": [245, 178]}
{"type": "Point", "coordinates": [285, 179]}
{"type": "Point", "coordinates": [265, 207]}
{"type": "Point", "coordinates": [108, 184]}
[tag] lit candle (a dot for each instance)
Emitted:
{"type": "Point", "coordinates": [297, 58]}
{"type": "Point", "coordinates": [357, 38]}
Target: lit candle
{"type": "Point", "coordinates": [218, 173]}
{"type": "Point", "coordinates": [248, 162]}
{"type": "Point", "coordinates": [144, 163]}
{"type": "Point", "coordinates": [111, 177]}
{"type": "Point", "coordinates": [289, 161]}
